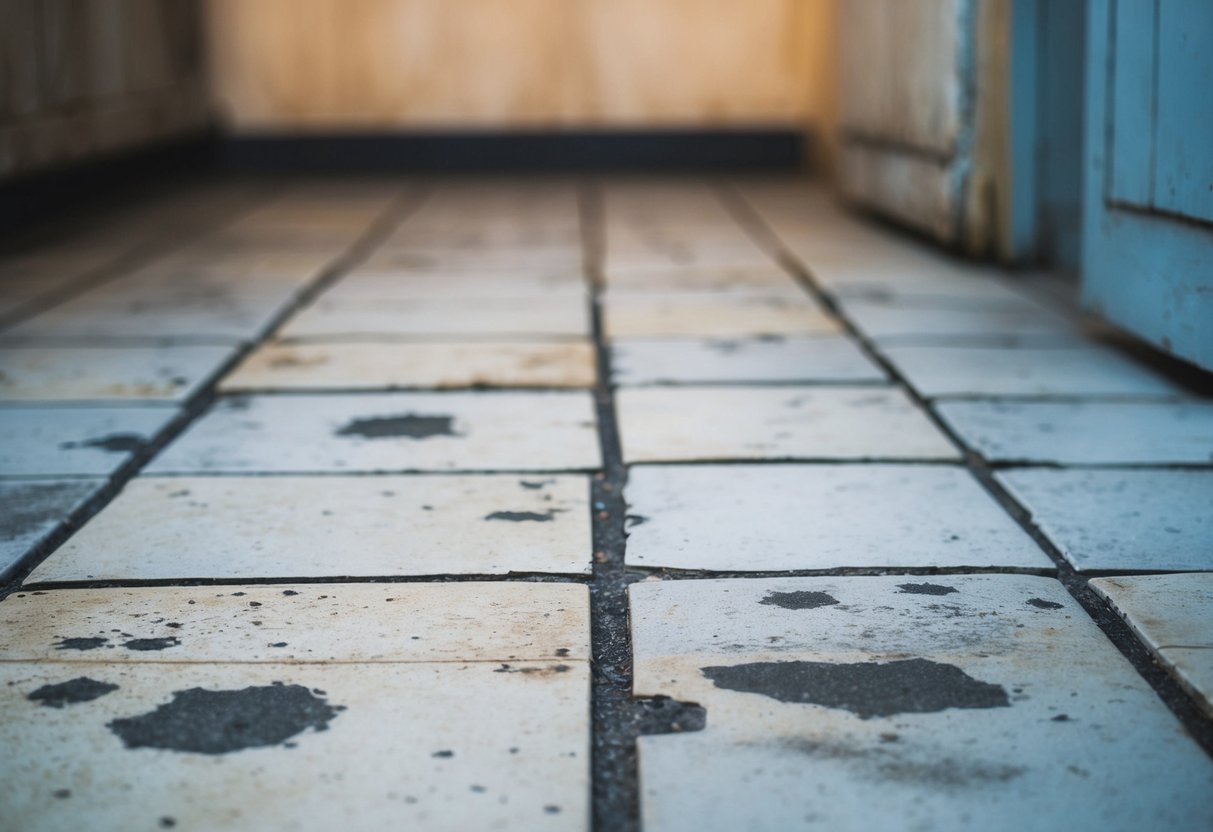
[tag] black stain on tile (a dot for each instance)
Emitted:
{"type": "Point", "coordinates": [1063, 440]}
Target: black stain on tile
{"type": "Point", "coordinates": [81, 643]}
{"type": "Point", "coordinates": [524, 516]}
{"type": "Point", "coordinates": [115, 443]}
{"type": "Point", "coordinates": [534, 671]}
{"type": "Point", "coordinates": [71, 692]}
{"type": "Point", "coordinates": [202, 721]}
{"type": "Point", "coordinates": [61, 794]}
{"type": "Point", "coordinates": [1042, 604]}
{"type": "Point", "coordinates": [407, 426]}
{"type": "Point", "coordinates": [633, 520]}
{"type": "Point", "coordinates": [289, 592]}
{"type": "Point", "coordinates": [534, 485]}
{"type": "Point", "coordinates": [799, 600]}
{"type": "Point", "coordinates": [277, 644]}
{"type": "Point", "coordinates": [150, 644]}
{"type": "Point", "coordinates": [926, 589]}
{"type": "Point", "coordinates": [31, 507]}
{"type": "Point", "coordinates": [866, 689]}
{"type": "Point", "coordinates": [444, 754]}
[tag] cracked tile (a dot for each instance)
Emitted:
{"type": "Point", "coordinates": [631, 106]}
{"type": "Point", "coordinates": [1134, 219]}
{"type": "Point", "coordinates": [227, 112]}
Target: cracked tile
{"type": "Point", "coordinates": [723, 423]}
{"type": "Point", "coordinates": [792, 517]}
{"type": "Point", "coordinates": [370, 366]}
{"type": "Point", "coordinates": [1173, 615]}
{"type": "Point", "coordinates": [155, 373]}
{"type": "Point", "coordinates": [31, 509]}
{"type": "Point", "coordinates": [1121, 519]}
{"type": "Point", "coordinates": [642, 361]}
{"type": "Point", "coordinates": [71, 441]}
{"type": "Point", "coordinates": [389, 432]}
{"type": "Point", "coordinates": [713, 314]}
{"type": "Point", "coordinates": [933, 702]}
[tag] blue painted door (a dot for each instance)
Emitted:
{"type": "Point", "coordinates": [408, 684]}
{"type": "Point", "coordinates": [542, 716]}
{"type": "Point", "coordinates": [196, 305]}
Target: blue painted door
{"type": "Point", "coordinates": [1147, 258]}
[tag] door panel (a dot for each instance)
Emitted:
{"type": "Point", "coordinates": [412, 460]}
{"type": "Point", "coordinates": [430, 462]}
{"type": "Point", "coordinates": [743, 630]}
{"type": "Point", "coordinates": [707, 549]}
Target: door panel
{"type": "Point", "coordinates": [1133, 101]}
{"type": "Point", "coordinates": [1183, 166]}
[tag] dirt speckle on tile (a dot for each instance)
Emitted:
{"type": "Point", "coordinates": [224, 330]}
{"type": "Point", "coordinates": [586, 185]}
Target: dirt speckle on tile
{"type": "Point", "coordinates": [81, 643]}
{"type": "Point", "coordinates": [407, 426]}
{"type": "Point", "coordinates": [926, 589]}
{"type": "Point", "coordinates": [115, 443]}
{"type": "Point", "coordinates": [71, 692]}
{"type": "Point", "coordinates": [149, 644]}
{"type": "Point", "coordinates": [523, 516]}
{"type": "Point", "coordinates": [799, 600]}
{"type": "Point", "coordinates": [1042, 604]}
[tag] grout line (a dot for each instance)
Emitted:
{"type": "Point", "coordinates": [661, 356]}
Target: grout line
{"type": "Point", "coordinates": [1180, 702]}
{"type": "Point", "coordinates": [318, 580]}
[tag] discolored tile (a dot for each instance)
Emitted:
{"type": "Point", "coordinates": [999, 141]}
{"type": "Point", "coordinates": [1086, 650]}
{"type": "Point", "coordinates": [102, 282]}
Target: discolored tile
{"type": "Point", "coordinates": [724, 423]}
{"type": "Point", "coordinates": [402, 365]}
{"type": "Point", "coordinates": [275, 527]}
{"type": "Point", "coordinates": [75, 441]}
{"type": "Point", "coordinates": [1121, 519]}
{"type": "Point", "coordinates": [941, 702]}
{"type": "Point", "coordinates": [31, 509]}
{"type": "Point", "coordinates": [713, 315]}
{"type": "Point", "coordinates": [741, 518]}
{"type": "Point", "coordinates": [155, 373]}
{"type": "Point", "coordinates": [389, 432]}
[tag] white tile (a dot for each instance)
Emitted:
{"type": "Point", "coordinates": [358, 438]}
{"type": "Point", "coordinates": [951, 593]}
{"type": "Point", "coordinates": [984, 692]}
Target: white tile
{"type": "Point", "coordinates": [389, 432]}
{"type": "Point", "coordinates": [713, 314]}
{"type": "Point", "coordinates": [274, 527]}
{"type": "Point", "coordinates": [765, 279]}
{"type": "Point", "coordinates": [70, 441]}
{"type": "Point", "coordinates": [31, 509]}
{"type": "Point", "coordinates": [446, 259]}
{"type": "Point", "coordinates": [369, 284]}
{"type": "Point", "coordinates": [1121, 519]}
{"type": "Point", "coordinates": [388, 365]}
{"type": "Point", "coordinates": [947, 702]}
{"type": "Point", "coordinates": [1085, 433]}
{"type": "Point", "coordinates": [772, 358]}
{"type": "Point", "coordinates": [792, 517]}
{"type": "Point", "coordinates": [1029, 371]}
{"type": "Point", "coordinates": [720, 423]}
{"type": "Point", "coordinates": [553, 317]}
{"type": "Point", "coordinates": [155, 373]}
{"type": "Point", "coordinates": [1173, 615]}
{"type": "Point", "coordinates": [902, 322]}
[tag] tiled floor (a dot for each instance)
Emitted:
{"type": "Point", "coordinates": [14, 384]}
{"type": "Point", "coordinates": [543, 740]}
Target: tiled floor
{"type": "Point", "coordinates": [332, 504]}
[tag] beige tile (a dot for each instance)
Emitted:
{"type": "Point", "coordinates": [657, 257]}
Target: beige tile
{"type": "Point", "coordinates": [152, 374]}
{"type": "Point", "coordinates": [713, 315]}
{"type": "Point", "coordinates": [765, 279]}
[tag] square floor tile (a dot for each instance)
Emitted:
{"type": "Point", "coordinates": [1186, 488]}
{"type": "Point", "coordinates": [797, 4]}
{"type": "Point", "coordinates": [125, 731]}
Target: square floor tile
{"type": "Point", "coordinates": [948, 702]}
{"type": "Point", "coordinates": [722, 423]}
{"type": "Point", "coordinates": [389, 432]}
{"type": "Point", "coordinates": [764, 279]}
{"type": "Point", "coordinates": [304, 527]}
{"type": "Point", "coordinates": [421, 364]}
{"type": "Point", "coordinates": [973, 371]}
{"type": "Point", "coordinates": [772, 358]}
{"type": "Point", "coordinates": [1085, 433]}
{"type": "Point", "coordinates": [739, 518]}
{"type": "Point", "coordinates": [554, 317]}
{"type": "Point", "coordinates": [904, 321]}
{"type": "Point", "coordinates": [156, 373]}
{"type": "Point", "coordinates": [1173, 615]}
{"type": "Point", "coordinates": [369, 284]}
{"type": "Point", "coordinates": [31, 509]}
{"type": "Point", "coordinates": [71, 441]}
{"type": "Point", "coordinates": [1121, 519]}
{"type": "Point", "coordinates": [713, 314]}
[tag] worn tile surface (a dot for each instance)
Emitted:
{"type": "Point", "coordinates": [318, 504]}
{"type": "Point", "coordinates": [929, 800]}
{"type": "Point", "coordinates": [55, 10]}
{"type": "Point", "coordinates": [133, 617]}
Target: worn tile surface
{"type": "Point", "coordinates": [685, 424]}
{"type": "Point", "coordinates": [904, 321]}
{"type": "Point", "coordinates": [773, 358]}
{"type": "Point", "coordinates": [45, 441]}
{"type": "Point", "coordinates": [154, 373]}
{"type": "Point", "coordinates": [1121, 519]}
{"type": "Point", "coordinates": [1085, 433]}
{"type": "Point", "coordinates": [440, 706]}
{"type": "Point", "coordinates": [371, 284]}
{"type": "Point", "coordinates": [765, 279]}
{"type": "Point", "coordinates": [348, 366]}
{"type": "Point", "coordinates": [274, 527]}
{"type": "Point", "coordinates": [950, 702]}
{"type": "Point", "coordinates": [32, 509]}
{"type": "Point", "coordinates": [1173, 615]}
{"type": "Point", "coordinates": [791, 517]}
{"type": "Point", "coordinates": [554, 317]}
{"type": "Point", "coordinates": [713, 314]}
{"type": "Point", "coordinates": [389, 432]}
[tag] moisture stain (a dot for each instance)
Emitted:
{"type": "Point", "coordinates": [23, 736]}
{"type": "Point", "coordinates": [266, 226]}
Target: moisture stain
{"type": "Point", "coordinates": [926, 589]}
{"type": "Point", "coordinates": [81, 643]}
{"type": "Point", "coordinates": [149, 644]}
{"type": "Point", "coordinates": [866, 689]}
{"type": "Point", "coordinates": [72, 692]}
{"type": "Point", "coordinates": [524, 516]}
{"type": "Point", "coordinates": [407, 426]}
{"type": "Point", "coordinates": [1042, 604]}
{"type": "Point", "coordinates": [799, 600]}
{"type": "Point", "coordinates": [202, 721]}
{"type": "Point", "coordinates": [115, 443]}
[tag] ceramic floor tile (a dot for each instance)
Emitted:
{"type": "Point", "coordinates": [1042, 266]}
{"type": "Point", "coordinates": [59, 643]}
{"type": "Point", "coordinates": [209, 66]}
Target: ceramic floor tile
{"type": "Point", "coordinates": [765, 279]}
{"type": "Point", "coordinates": [390, 432]}
{"type": "Point", "coordinates": [900, 322]}
{"type": "Point", "coordinates": [72, 441]}
{"type": "Point", "coordinates": [713, 314]}
{"type": "Point", "coordinates": [949, 702]}
{"type": "Point", "coordinates": [32, 509]}
{"type": "Point", "coordinates": [723, 423]}
{"type": "Point", "coordinates": [275, 527]}
{"type": "Point", "coordinates": [452, 706]}
{"type": "Point", "coordinates": [994, 371]}
{"type": "Point", "coordinates": [1173, 615]}
{"type": "Point", "coordinates": [775, 358]}
{"type": "Point", "coordinates": [402, 365]}
{"type": "Point", "coordinates": [160, 373]}
{"type": "Point", "coordinates": [1121, 519]}
{"type": "Point", "coordinates": [1085, 433]}
{"type": "Point", "coordinates": [556, 317]}
{"type": "Point", "coordinates": [372, 285]}
{"type": "Point", "coordinates": [818, 517]}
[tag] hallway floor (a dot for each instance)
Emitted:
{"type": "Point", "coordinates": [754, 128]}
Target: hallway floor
{"type": "Point", "coordinates": [632, 504]}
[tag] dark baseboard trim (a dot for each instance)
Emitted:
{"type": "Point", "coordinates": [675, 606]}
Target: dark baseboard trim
{"type": "Point", "coordinates": [515, 151]}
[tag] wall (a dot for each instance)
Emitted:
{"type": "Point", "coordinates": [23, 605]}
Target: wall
{"type": "Point", "coordinates": [286, 65]}
{"type": "Point", "coordinates": [84, 78]}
